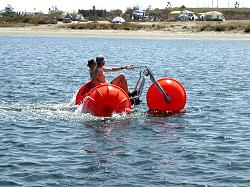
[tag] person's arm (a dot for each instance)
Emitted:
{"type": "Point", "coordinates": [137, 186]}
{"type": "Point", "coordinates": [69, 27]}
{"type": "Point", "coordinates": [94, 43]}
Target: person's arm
{"type": "Point", "coordinates": [115, 68]}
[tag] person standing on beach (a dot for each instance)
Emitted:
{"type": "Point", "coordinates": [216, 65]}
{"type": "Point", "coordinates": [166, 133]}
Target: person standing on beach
{"type": "Point", "coordinates": [100, 78]}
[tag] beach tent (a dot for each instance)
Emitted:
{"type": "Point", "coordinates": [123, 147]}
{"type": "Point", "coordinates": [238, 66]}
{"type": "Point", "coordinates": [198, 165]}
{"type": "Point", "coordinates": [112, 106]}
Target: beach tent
{"type": "Point", "coordinates": [78, 17]}
{"type": "Point", "coordinates": [214, 16]}
{"type": "Point", "coordinates": [190, 15]}
{"type": "Point", "coordinates": [185, 15]}
{"type": "Point", "coordinates": [182, 15]}
{"type": "Point", "coordinates": [118, 20]}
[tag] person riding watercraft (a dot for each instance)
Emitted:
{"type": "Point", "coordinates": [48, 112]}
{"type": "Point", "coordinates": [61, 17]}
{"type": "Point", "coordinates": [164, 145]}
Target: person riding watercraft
{"type": "Point", "coordinates": [92, 65]}
{"type": "Point", "coordinates": [100, 78]}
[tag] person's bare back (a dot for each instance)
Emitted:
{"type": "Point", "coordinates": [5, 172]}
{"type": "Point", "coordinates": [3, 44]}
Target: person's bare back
{"type": "Point", "coordinates": [100, 77]}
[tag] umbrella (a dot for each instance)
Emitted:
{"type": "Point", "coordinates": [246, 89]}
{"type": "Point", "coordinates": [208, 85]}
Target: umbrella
{"type": "Point", "coordinates": [118, 20]}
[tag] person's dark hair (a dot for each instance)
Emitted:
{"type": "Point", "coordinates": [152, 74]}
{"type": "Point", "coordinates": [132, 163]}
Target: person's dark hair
{"type": "Point", "coordinates": [91, 62]}
{"type": "Point", "coordinates": [99, 59]}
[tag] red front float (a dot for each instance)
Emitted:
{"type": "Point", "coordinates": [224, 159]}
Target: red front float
{"type": "Point", "coordinates": [174, 89]}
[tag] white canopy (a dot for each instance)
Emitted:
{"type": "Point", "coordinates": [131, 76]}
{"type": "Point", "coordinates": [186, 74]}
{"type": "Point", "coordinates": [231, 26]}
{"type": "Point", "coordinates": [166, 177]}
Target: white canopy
{"type": "Point", "coordinates": [118, 20]}
{"type": "Point", "coordinates": [214, 13]}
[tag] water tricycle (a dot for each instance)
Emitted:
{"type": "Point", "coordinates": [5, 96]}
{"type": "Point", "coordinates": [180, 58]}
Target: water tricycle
{"type": "Point", "coordinates": [163, 95]}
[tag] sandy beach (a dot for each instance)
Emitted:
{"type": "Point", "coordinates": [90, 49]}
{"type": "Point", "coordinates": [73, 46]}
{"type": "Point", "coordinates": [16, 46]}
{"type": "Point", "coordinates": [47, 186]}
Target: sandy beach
{"type": "Point", "coordinates": [51, 30]}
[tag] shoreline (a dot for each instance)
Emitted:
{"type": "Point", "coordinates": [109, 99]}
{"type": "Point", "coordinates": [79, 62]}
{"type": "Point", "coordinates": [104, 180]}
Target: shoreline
{"type": "Point", "coordinates": [48, 31]}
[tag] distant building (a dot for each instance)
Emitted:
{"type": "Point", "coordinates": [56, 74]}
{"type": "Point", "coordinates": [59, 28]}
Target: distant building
{"type": "Point", "coordinates": [139, 15]}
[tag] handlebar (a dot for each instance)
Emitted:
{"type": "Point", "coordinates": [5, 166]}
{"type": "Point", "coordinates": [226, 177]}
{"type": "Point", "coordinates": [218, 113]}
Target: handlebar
{"type": "Point", "coordinates": [135, 66]}
{"type": "Point", "coordinates": [148, 72]}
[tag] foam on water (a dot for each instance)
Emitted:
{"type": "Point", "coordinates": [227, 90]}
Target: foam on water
{"type": "Point", "coordinates": [47, 111]}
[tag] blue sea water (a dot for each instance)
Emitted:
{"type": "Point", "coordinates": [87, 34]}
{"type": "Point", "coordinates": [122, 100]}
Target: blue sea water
{"type": "Point", "coordinates": [47, 141]}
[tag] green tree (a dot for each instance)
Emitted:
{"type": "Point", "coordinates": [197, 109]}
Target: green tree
{"type": "Point", "coordinates": [182, 7]}
{"type": "Point", "coordinates": [236, 4]}
{"type": "Point", "coordinates": [169, 5]}
{"type": "Point", "coordinates": [114, 13]}
{"type": "Point", "coordinates": [8, 11]}
{"type": "Point", "coordinates": [149, 8]}
{"type": "Point", "coordinates": [137, 7]}
{"type": "Point", "coordinates": [54, 12]}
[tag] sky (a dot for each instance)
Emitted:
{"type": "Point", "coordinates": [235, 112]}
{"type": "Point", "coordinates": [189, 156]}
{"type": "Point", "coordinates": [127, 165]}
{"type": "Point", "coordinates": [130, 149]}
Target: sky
{"type": "Point", "coordinates": [74, 5]}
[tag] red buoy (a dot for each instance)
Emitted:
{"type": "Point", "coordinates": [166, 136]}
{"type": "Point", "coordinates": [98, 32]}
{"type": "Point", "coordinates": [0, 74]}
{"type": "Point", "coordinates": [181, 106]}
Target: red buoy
{"type": "Point", "coordinates": [82, 92]}
{"type": "Point", "coordinates": [156, 101]}
{"type": "Point", "coordinates": [106, 99]}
